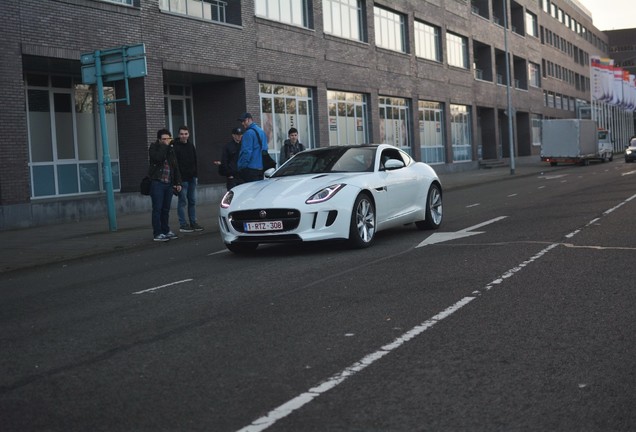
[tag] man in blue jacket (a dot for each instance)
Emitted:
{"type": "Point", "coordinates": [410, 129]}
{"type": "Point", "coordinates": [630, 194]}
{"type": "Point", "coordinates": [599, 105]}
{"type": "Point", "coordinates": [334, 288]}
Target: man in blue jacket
{"type": "Point", "coordinates": [250, 160]}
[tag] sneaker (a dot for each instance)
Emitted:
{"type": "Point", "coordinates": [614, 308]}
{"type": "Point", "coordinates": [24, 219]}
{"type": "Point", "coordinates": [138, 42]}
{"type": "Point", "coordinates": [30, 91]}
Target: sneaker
{"type": "Point", "coordinates": [171, 236]}
{"type": "Point", "coordinates": [186, 228]}
{"type": "Point", "coordinates": [161, 238]}
{"type": "Point", "coordinates": [195, 226]}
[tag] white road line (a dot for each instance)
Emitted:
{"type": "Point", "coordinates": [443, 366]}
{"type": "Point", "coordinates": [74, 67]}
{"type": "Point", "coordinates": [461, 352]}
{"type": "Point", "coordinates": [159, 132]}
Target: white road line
{"type": "Point", "coordinates": [488, 222]}
{"type": "Point", "coordinates": [218, 252]}
{"type": "Point", "coordinates": [472, 205]}
{"type": "Point", "coordinates": [296, 403]}
{"type": "Point", "coordinates": [299, 401]}
{"type": "Point", "coordinates": [570, 245]}
{"type": "Point", "coordinates": [628, 173]}
{"type": "Point", "coordinates": [162, 286]}
{"type": "Point", "coordinates": [512, 195]}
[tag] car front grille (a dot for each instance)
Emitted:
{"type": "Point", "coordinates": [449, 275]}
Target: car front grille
{"type": "Point", "coordinates": [289, 217]}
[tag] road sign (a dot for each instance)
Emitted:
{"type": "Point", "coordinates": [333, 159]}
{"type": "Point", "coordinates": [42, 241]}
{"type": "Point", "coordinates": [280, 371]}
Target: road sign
{"type": "Point", "coordinates": [113, 64]}
{"type": "Point", "coordinates": [116, 64]}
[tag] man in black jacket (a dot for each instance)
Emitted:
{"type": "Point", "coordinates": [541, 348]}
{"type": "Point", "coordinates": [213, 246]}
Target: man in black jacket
{"type": "Point", "coordinates": [166, 180]}
{"type": "Point", "coordinates": [227, 164]}
{"type": "Point", "coordinates": [291, 146]}
{"type": "Point", "coordinates": [187, 158]}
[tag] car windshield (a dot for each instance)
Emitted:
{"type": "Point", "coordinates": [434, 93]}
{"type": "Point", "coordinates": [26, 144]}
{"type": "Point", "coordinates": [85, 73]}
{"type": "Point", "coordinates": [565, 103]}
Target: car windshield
{"type": "Point", "coordinates": [329, 160]}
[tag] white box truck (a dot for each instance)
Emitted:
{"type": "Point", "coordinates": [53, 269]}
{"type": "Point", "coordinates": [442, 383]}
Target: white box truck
{"type": "Point", "coordinates": [574, 141]}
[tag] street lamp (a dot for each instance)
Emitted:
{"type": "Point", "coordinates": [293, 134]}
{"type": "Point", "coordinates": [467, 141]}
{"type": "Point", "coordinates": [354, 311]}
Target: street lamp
{"type": "Point", "coordinates": [510, 137]}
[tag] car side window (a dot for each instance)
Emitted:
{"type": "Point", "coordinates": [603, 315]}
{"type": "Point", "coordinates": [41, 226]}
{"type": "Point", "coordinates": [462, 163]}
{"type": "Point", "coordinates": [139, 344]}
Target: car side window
{"type": "Point", "coordinates": [389, 154]}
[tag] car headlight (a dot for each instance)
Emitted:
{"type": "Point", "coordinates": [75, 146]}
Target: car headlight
{"type": "Point", "coordinates": [324, 194]}
{"type": "Point", "coordinates": [628, 151]}
{"type": "Point", "coordinates": [227, 199]}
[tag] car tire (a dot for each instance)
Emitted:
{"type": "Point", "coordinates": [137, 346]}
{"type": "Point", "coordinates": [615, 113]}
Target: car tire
{"type": "Point", "coordinates": [434, 209]}
{"type": "Point", "coordinates": [241, 248]}
{"type": "Point", "coordinates": [362, 227]}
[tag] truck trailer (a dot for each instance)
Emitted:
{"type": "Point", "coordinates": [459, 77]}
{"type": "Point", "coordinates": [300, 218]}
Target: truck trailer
{"type": "Point", "coordinates": [574, 141]}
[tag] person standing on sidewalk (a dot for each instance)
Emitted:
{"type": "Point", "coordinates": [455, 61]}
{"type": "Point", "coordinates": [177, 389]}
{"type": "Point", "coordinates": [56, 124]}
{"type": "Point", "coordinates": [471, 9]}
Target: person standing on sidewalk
{"type": "Point", "coordinates": [291, 146]}
{"type": "Point", "coordinates": [187, 159]}
{"type": "Point", "coordinates": [166, 180]}
{"type": "Point", "coordinates": [250, 160]}
{"type": "Point", "coordinates": [229, 158]}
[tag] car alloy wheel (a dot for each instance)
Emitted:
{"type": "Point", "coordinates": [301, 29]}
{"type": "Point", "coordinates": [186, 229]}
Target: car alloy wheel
{"type": "Point", "coordinates": [362, 230]}
{"type": "Point", "coordinates": [434, 209]}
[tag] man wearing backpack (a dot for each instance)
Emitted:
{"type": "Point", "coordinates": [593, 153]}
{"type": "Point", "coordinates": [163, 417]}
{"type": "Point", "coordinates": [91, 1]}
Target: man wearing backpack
{"type": "Point", "coordinates": [250, 160]}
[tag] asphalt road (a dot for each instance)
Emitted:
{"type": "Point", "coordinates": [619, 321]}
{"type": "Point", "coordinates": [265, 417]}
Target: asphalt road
{"type": "Point", "coordinates": [518, 314]}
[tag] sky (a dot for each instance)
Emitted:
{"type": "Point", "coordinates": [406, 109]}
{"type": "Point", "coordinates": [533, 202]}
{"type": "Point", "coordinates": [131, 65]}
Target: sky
{"type": "Point", "coordinates": [612, 14]}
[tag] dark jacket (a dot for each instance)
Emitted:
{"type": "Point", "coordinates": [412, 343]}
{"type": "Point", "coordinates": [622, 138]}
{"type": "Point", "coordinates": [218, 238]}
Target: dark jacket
{"type": "Point", "coordinates": [157, 153]}
{"type": "Point", "coordinates": [187, 159]}
{"type": "Point", "coordinates": [229, 158]}
{"type": "Point", "coordinates": [289, 150]}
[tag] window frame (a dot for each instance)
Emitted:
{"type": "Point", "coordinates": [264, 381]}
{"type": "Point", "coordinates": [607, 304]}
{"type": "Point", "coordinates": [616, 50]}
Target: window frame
{"type": "Point", "coordinates": [390, 29]}
{"type": "Point", "coordinates": [355, 12]}
{"type": "Point", "coordinates": [456, 47]}
{"type": "Point", "coordinates": [427, 41]}
{"type": "Point", "coordinates": [295, 16]}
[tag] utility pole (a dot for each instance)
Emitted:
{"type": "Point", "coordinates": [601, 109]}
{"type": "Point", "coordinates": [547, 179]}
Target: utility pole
{"type": "Point", "coordinates": [510, 114]}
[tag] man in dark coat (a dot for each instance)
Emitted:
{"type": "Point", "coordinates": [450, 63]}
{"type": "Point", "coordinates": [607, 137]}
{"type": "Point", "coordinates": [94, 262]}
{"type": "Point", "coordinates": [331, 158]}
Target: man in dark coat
{"type": "Point", "coordinates": [187, 158]}
{"type": "Point", "coordinates": [229, 158]}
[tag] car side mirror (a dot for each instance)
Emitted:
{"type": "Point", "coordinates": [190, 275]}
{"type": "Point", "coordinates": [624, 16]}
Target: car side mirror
{"type": "Point", "coordinates": [392, 164]}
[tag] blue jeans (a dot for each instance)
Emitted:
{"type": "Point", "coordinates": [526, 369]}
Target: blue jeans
{"type": "Point", "coordinates": [187, 195]}
{"type": "Point", "coordinates": [161, 196]}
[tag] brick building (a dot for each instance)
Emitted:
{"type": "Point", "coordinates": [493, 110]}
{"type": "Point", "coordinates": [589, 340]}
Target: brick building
{"type": "Point", "coordinates": [427, 76]}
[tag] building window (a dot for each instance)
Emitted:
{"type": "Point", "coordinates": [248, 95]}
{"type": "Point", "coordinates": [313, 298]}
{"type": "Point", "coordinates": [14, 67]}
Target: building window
{"type": "Point", "coordinates": [461, 138]}
{"type": "Point", "coordinates": [64, 137]}
{"type": "Point", "coordinates": [126, 2]}
{"type": "Point", "coordinates": [431, 119]}
{"type": "Point", "coordinates": [534, 75]}
{"type": "Point", "coordinates": [394, 122]}
{"type": "Point", "coordinates": [550, 100]}
{"type": "Point", "coordinates": [292, 12]}
{"type": "Point", "coordinates": [531, 24]}
{"type": "Point", "coordinates": [178, 109]}
{"type": "Point", "coordinates": [213, 10]}
{"type": "Point", "coordinates": [389, 30]}
{"type": "Point", "coordinates": [284, 107]}
{"type": "Point", "coordinates": [347, 118]}
{"type": "Point", "coordinates": [457, 47]}
{"type": "Point", "coordinates": [536, 129]}
{"type": "Point", "coordinates": [427, 42]}
{"type": "Point", "coordinates": [343, 18]}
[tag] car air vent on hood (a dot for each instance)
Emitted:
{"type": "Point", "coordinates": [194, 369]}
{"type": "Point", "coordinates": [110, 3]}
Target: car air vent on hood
{"type": "Point", "coordinates": [318, 176]}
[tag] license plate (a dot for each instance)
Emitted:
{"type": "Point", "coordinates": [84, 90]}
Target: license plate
{"type": "Point", "coordinates": [263, 226]}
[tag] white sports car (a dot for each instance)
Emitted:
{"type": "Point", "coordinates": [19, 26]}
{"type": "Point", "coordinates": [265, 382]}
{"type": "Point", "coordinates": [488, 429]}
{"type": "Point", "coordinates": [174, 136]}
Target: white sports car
{"type": "Point", "coordinates": [347, 193]}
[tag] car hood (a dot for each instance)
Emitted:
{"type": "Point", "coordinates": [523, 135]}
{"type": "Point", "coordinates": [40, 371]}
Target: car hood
{"type": "Point", "coordinates": [288, 191]}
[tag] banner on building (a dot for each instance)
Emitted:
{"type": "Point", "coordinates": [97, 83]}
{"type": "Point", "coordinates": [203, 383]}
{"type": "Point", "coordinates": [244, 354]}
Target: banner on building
{"type": "Point", "coordinates": [612, 84]}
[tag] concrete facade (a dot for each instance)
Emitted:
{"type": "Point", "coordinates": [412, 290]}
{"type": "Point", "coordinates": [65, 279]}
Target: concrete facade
{"type": "Point", "coordinates": [223, 64]}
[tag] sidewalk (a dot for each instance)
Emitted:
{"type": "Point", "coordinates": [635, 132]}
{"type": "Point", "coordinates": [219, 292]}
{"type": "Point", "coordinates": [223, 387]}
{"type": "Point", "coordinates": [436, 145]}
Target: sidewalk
{"type": "Point", "coordinates": [30, 247]}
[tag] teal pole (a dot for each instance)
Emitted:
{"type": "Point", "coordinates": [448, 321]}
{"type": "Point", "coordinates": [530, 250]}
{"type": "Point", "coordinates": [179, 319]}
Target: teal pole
{"type": "Point", "coordinates": [511, 140]}
{"type": "Point", "coordinates": [108, 176]}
